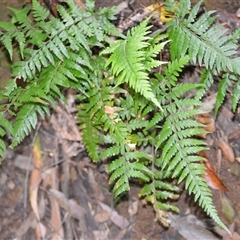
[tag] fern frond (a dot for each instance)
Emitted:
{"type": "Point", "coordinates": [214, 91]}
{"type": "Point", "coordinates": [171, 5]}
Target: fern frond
{"type": "Point", "coordinates": [222, 90]}
{"type": "Point", "coordinates": [5, 126]}
{"type": "Point", "coordinates": [91, 139]}
{"type": "Point", "coordinates": [122, 170]}
{"type": "Point", "coordinates": [158, 191]}
{"type": "Point", "coordinates": [128, 60]}
{"type": "Point", "coordinates": [26, 120]}
{"type": "Point", "coordinates": [183, 8]}
{"type": "Point", "coordinates": [236, 96]}
{"type": "Point", "coordinates": [173, 69]}
{"type": "Point", "coordinates": [200, 40]}
{"type": "Point", "coordinates": [197, 185]}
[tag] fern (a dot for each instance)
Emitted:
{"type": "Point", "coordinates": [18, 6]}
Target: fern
{"type": "Point", "coordinates": [56, 54]}
{"type": "Point", "coordinates": [142, 122]}
{"type": "Point", "coordinates": [206, 44]}
{"type": "Point", "coordinates": [135, 65]}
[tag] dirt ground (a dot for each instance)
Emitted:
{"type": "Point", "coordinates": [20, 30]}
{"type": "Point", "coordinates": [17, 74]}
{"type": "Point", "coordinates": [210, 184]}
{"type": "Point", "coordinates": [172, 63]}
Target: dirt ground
{"type": "Point", "coordinates": [71, 194]}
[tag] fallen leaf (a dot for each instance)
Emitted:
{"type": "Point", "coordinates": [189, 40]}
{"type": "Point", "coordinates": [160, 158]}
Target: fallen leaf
{"type": "Point", "coordinates": [35, 181]}
{"type": "Point", "coordinates": [209, 102]}
{"type": "Point", "coordinates": [37, 156]}
{"type": "Point", "coordinates": [30, 222]}
{"type": "Point", "coordinates": [23, 162]}
{"type": "Point", "coordinates": [40, 231]}
{"type": "Point", "coordinates": [238, 159]}
{"type": "Point", "coordinates": [235, 168]}
{"type": "Point", "coordinates": [211, 177]}
{"type": "Point", "coordinates": [109, 110]}
{"type": "Point", "coordinates": [101, 216]}
{"type": "Point", "coordinates": [117, 219]}
{"type": "Point", "coordinates": [133, 208]}
{"type": "Point", "coordinates": [190, 227]}
{"type": "Point", "coordinates": [228, 210]}
{"type": "Point", "coordinates": [101, 234]}
{"type": "Point", "coordinates": [158, 8]}
{"type": "Point", "coordinates": [226, 149]}
{"type": "Point", "coordinates": [95, 185]}
{"type": "Point", "coordinates": [162, 216]}
{"type": "Point", "coordinates": [208, 121]}
{"type": "Point", "coordinates": [64, 124]}
{"type": "Point", "coordinates": [75, 210]}
{"type": "Point", "coordinates": [225, 235]}
{"type": "Point", "coordinates": [234, 136]}
{"type": "Point", "coordinates": [56, 222]}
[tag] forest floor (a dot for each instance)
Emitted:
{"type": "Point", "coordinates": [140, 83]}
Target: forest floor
{"type": "Point", "coordinates": [72, 194]}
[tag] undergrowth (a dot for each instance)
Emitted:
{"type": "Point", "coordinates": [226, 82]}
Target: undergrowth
{"type": "Point", "coordinates": [143, 122]}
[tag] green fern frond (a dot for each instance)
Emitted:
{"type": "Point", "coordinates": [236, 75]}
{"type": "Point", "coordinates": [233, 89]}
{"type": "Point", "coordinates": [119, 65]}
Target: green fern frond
{"type": "Point", "coordinates": [200, 40]}
{"type": "Point", "coordinates": [222, 90]}
{"type": "Point", "coordinates": [128, 60]}
{"type": "Point", "coordinates": [158, 191]}
{"type": "Point", "coordinates": [91, 139]}
{"type": "Point", "coordinates": [52, 36]}
{"type": "Point", "coordinates": [5, 126]}
{"type": "Point", "coordinates": [26, 120]}
{"type": "Point", "coordinates": [194, 11]}
{"type": "Point", "coordinates": [196, 184]}
{"type": "Point", "coordinates": [235, 36]}
{"type": "Point", "coordinates": [236, 96]}
{"type": "Point", "coordinates": [173, 69]}
{"type": "Point", "coordinates": [122, 170]}
{"type": "Point", "coordinates": [183, 8]}
{"type": "Point", "coordinates": [40, 13]}
{"type": "Point", "coordinates": [206, 79]}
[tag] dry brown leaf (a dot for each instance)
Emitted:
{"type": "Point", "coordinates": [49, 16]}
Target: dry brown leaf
{"type": "Point", "coordinates": [133, 208]}
{"type": "Point", "coordinates": [209, 102]}
{"type": "Point", "coordinates": [234, 136]}
{"type": "Point", "coordinates": [55, 210]}
{"type": "Point", "coordinates": [35, 181]}
{"type": "Point", "coordinates": [95, 186]}
{"type": "Point", "coordinates": [235, 168]}
{"type": "Point", "coordinates": [109, 110]}
{"type": "Point", "coordinates": [30, 222]}
{"type": "Point", "coordinates": [56, 221]}
{"type": "Point", "coordinates": [65, 125]}
{"type": "Point", "coordinates": [235, 236]}
{"type": "Point", "coordinates": [120, 235]}
{"type": "Point", "coordinates": [40, 231]}
{"type": "Point", "coordinates": [101, 216]}
{"type": "Point", "coordinates": [190, 227]}
{"type": "Point", "coordinates": [208, 121]}
{"type": "Point", "coordinates": [36, 177]}
{"type": "Point", "coordinates": [211, 177]}
{"type": "Point", "coordinates": [101, 235]}
{"type": "Point", "coordinates": [228, 209]}
{"type": "Point", "coordinates": [23, 162]}
{"type": "Point", "coordinates": [37, 155]}
{"type": "Point", "coordinates": [75, 210]}
{"type": "Point", "coordinates": [117, 219]}
{"type": "Point", "coordinates": [159, 10]}
{"type": "Point", "coordinates": [226, 149]}
{"type": "Point", "coordinates": [80, 4]}
{"type": "Point", "coordinates": [225, 235]}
